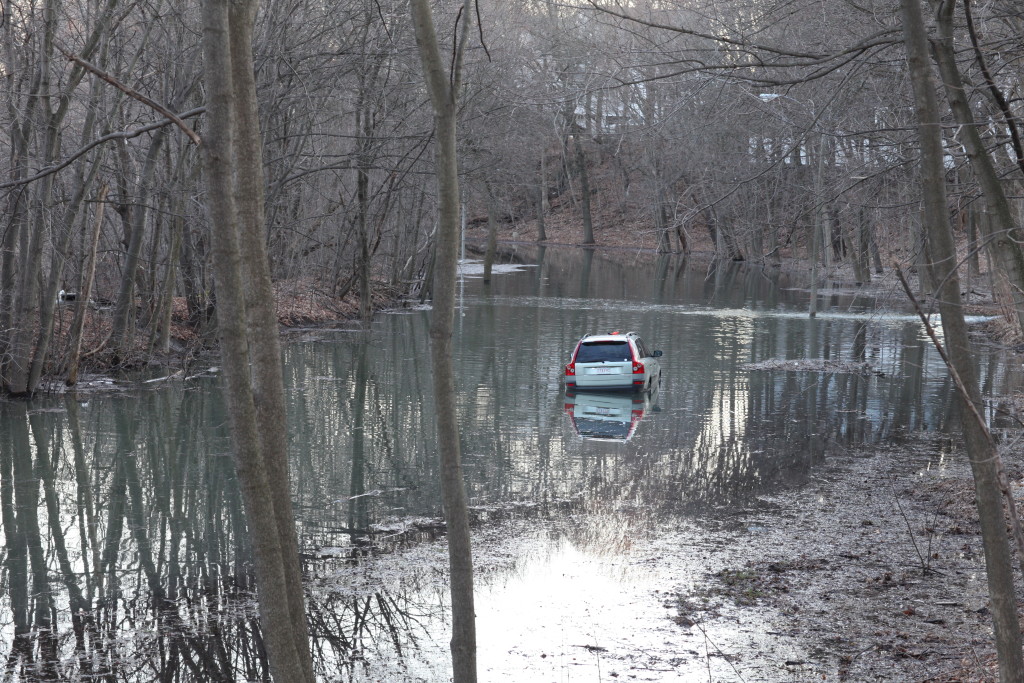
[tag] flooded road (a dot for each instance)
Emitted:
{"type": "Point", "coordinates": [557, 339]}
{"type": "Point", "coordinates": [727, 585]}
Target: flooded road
{"type": "Point", "coordinates": [125, 547]}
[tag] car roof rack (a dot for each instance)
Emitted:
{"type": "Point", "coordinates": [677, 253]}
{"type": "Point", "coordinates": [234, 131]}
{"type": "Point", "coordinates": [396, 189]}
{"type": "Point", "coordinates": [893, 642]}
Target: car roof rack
{"type": "Point", "coordinates": [612, 333]}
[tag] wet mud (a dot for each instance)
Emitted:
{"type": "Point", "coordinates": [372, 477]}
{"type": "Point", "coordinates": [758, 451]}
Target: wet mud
{"type": "Point", "coordinates": [873, 571]}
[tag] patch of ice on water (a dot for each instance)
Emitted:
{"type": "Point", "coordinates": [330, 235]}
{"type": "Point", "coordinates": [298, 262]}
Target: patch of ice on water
{"type": "Point", "coordinates": [813, 365]}
{"type": "Point", "coordinates": [475, 268]}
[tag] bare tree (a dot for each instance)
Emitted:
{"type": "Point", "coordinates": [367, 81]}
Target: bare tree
{"type": "Point", "coordinates": [1004, 236]}
{"type": "Point", "coordinates": [444, 92]}
{"type": "Point", "coordinates": [942, 259]}
{"type": "Point", "coordinates": [247, 326]}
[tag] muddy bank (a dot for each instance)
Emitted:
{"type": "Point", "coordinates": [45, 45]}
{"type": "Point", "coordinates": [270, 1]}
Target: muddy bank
{"type": "Point", "coordinates": [872, 571]}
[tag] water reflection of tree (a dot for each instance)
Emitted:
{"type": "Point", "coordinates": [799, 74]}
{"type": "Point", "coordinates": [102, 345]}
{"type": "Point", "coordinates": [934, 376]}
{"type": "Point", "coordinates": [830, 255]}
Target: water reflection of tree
{"type": "Point", "coordinates": [142, 556]}
{"type": "Point", "coordinates": [125, 562]}
{"type": "Point", "coordinates": [345, 627]}
{"type": "Point", "coordinates": [34, 638]}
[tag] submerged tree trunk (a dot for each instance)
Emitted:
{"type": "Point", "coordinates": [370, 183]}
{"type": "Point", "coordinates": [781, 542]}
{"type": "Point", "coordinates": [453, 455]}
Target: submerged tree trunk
{"type": "Point", "coordinates": [942, 258]}
{"type": "Point", "coordinates": [492, 237]}
{"type": "Point", "coordinates": [444, 89]}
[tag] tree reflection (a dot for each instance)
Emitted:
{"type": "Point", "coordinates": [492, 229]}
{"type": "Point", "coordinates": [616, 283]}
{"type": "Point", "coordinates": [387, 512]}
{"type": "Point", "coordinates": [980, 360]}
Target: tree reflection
{"type": "Point", "coordinates": [141, 568]}
{"type": "Point", "coordinates": [136, 598]}
{"type": "Point", "coordinates": [345, 627]}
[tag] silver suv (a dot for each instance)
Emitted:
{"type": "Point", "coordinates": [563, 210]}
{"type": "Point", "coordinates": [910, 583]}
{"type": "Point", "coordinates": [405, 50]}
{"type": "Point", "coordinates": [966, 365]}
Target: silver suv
{"type": "Point", "coordinates": [617, 360]}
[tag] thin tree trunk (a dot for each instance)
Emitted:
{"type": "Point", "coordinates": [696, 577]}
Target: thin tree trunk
{"type": "Point", "coordinates": [941, 254]}
{"type": "Point", "coordinates": [444, 90]}
{"type": "Point", "coordinates": [161, 339]}
{"type": "Point", "coordinates": [85, 291]}
{"type": "Point", "coordinates": [973, 260]}
{"type": "Point", "coordinates": [363, 203]}
{"type": "Point", "coordinates": [1005, 239]}
{"type": "Point", "coordinates": [861, 264]}
{"type": "Point", "coordinates": [542, 191]}
{"type": "Point", "coordinates": [121, 335]}
{"type": "Point", "coordinates": [817, 228]}
{"type": "Point", "coordinates": [492, 237]}
{"type": "Point", "coordinates": [581, 171]}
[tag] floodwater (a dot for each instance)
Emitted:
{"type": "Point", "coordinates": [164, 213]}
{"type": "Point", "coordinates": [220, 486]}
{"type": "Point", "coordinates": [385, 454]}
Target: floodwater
{"type": "Point", "coordinates": [125, 553]}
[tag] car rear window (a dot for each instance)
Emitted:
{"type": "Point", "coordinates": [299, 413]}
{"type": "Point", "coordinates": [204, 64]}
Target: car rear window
{"type": "Point", "coordinates": [604, 351]}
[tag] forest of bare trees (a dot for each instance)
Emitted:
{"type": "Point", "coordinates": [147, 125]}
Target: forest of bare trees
{"type": "Point", "coordinates": [757, 131]}
{"type": "Point", "coordinates": [764, 130]}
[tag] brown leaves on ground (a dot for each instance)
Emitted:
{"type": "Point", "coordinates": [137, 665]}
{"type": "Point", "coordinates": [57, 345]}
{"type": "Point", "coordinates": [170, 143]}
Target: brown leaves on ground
{"type": "Point", "coordinates": [301, 302]}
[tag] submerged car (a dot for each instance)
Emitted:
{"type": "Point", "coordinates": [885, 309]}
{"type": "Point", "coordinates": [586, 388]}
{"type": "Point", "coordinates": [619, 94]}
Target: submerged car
{"type": "Point", "coordinates": [617, 360]}
{"type": "Point", "coordinates": [608, 416]}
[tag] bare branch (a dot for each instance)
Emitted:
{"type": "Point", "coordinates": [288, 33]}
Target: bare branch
{"type": "Point", "coordinates": [193, 136]}
{"type": "Point", "coordinates": [453, 69]}
{"type": "Point", "coordinates": [119, 135]}
{"type": "Point", "coordinates": [480, 29]}
{"type": "Point", "coordinates": [886, 36]}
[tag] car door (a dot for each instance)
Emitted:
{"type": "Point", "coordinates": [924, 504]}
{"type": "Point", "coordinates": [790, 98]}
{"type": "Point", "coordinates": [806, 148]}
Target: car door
{"type": "Point", "coordinates": [647, 358]}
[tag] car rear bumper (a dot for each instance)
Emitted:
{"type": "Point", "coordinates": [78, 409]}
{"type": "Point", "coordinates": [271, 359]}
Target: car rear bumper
{"type": "Point", "coordinates": [605, 384]}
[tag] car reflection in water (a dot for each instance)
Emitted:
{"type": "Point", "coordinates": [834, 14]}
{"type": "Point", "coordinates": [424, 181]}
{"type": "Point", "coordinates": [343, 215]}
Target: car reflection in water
{"type": "Point", "coordinates": [609, 416]}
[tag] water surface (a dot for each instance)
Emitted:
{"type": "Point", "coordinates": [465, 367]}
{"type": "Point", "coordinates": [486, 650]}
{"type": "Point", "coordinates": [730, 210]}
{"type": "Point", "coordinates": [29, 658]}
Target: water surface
{"type": "Point", "coordinates": [125, 548]}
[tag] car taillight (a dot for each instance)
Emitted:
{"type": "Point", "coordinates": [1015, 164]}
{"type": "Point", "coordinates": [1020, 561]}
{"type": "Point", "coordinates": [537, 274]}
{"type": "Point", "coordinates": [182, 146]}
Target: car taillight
{"type": "Point", "coordinates": [638, 367]}
{"type": "Point", "coordinates": [570, 369]}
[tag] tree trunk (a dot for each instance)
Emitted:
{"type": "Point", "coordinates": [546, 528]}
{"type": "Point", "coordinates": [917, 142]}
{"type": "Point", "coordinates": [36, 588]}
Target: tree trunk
{"type": "Point", "coordinates": [581, 172]}
{"type": "Point", "coordinates": [85, 289]}
{"type": "Point", "coordinates": [32, 229]}
{"type": "Point", "coordinates": [942, 258]}
{"type": "Point", "coordinates": [161, 336]}
{"type": "Point", "coordinates": [492, 237]}
{"type": "Point", "coordinates": [247, 325]}
{"type": "Point", "coordinates": [444, 96]}
{"type": "Point", "coordinates": [1005, 237]}
{"type": "Point", "coordinates": [542, 191]}
{"type": "Point", "coordinates": [861, 264]}
{"type": "Point", "coordinates": [121, 335]}
{"type": "Point", "coordinates": [261, 310]}
{"type": "Point", "coordinates": [363, 203]}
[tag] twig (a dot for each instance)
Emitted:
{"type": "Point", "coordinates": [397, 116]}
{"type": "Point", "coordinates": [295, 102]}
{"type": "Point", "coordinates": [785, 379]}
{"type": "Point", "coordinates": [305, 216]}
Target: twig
{"type": "Point", "coordinates": [480, 30]}
{"type": "Point", "coordinates": [910, 529]}
{"type": "Point", "coordinates": [707, 640]}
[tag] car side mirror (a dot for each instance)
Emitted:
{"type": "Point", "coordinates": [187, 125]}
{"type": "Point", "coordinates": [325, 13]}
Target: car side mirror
{"type": "Point", "coordinates": [657, 354]}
